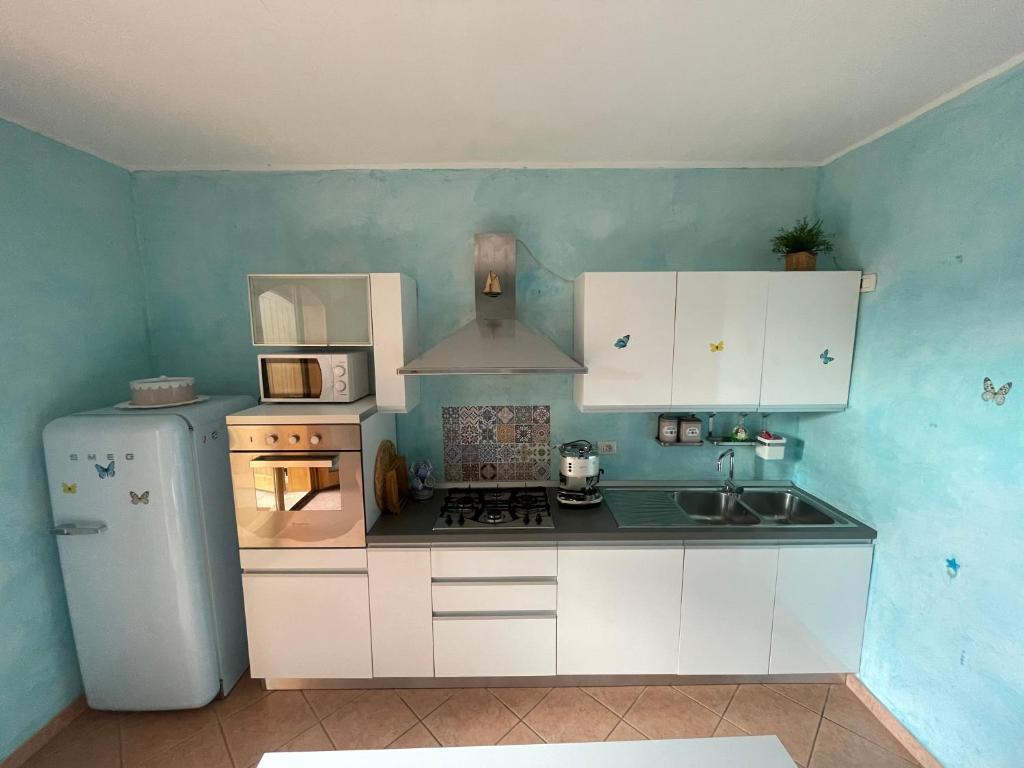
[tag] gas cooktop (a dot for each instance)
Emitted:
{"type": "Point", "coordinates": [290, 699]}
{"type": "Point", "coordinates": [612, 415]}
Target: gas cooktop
{"type": "Point", "coordinates": [499, 509]}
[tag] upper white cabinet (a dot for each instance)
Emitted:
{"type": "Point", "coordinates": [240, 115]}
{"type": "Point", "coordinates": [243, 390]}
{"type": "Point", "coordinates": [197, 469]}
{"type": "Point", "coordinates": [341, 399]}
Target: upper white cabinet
{"type": "Point", "coordinates": [719, 340]}
{"type": "Point", "coordinates": [712, 341]}
{"type": "Point", "coordinates": [395, 340]}
{"type": "Point", "coordinates": [618, 609]}
{"type": "Point", "coordinates": [624, 324]}
{"type": "Point", "coordinates": [808, 345]}
{"type": "Point", "coordinates": [820, 600]}
{"type": "Point", "coordinates": [310, 310]}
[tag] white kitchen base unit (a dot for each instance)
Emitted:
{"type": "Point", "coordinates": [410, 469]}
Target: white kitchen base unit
{"type": "Point", "coordinates": [820, 601]}
{"type": "Point", "coordinates": [728, 602]}
{"type": "Point", "coordinates": [601, 613]}
{"type": "Point", "coordinates": [308, 624]}
{"type": "Point", "coordinates": [494, 646]}
{"type": "Point", "coordinates": [618, 609]}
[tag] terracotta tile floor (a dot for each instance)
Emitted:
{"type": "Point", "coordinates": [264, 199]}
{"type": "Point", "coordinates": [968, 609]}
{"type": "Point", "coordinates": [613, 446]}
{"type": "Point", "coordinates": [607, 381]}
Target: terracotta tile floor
{"type": "Point", "coordinates": [822, 726]}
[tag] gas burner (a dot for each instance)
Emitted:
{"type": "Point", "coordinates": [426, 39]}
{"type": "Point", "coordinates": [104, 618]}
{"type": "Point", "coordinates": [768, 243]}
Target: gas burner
{"type": "Point", "coordinates": [497, 508]}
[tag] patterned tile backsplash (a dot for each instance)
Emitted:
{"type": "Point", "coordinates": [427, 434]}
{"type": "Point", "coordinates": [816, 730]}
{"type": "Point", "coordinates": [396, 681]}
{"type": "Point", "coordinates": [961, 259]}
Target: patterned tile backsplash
{"type": "Point", "coordinates": [496, 442]}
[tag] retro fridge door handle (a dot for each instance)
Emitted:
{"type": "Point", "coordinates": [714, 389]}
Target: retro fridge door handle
{"type": "Point", "coordinates": [77, 530]}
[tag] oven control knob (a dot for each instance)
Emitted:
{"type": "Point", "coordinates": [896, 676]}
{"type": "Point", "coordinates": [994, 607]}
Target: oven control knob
{"type": "Point", "coordinates": [315, 439]}
{"type": "Point", "coordinates": [293, 439]}
{"type": "Point", "coordinates": [271, 439]}
{"type": "Point", "coordinates": [537, 520]}
{"type": "Point", "coordinates": [448, 519]}
{"type": "Point", "coordinates": [526, 519]}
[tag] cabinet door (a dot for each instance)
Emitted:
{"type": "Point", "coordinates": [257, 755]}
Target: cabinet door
{"type": "Point", "coordinates": [820, 600]}
{"type": "Point", "coordinates": [310, 310]}
{"type": "Point", "coordinates": [728, 598]}
{"type": "Point", "coordinates": [719, 340]}
{"type": "Point", "coordinates": [618, 609]}
{"type": "Point", "coordinates": [808, 345]}
{"type": "Point", "coordinates": [308, 624]}
{"type": "Point", "coordinates": [400, 612]}
{"type": "Point", "coordinates": [395, 340]}
{"type": "Point", "coordinates": [624, 326]}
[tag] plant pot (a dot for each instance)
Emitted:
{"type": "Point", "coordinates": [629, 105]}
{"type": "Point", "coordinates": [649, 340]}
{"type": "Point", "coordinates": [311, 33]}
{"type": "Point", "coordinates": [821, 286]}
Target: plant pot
{"type": "Point", "coordinates": [803, 261]}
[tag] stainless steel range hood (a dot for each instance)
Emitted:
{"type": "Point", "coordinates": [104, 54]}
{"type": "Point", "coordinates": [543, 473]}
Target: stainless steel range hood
{"type": "Point", "coordinates": [495, 342]}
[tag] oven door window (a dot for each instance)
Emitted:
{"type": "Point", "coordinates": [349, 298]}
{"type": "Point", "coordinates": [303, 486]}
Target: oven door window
{"type": "Point", "coordinates": [298, 377]}
{"type": "Point", "coordinates": [285, 484]}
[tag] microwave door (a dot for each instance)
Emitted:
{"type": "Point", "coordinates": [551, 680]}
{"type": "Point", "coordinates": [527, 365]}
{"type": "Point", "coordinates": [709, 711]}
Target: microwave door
{"type": "Point", "coordinates": [300, 378]}
{"type": "Point", "coordinates": [299, 500]}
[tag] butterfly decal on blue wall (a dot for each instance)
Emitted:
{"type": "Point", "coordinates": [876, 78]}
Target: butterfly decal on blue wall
{"type": "Point", "coordinates": [104, 472]}
{"type": "Point", "coordinates": [825, 359]}
{"type": "Point", "coordinates": [137, 499]}
{"type": "Point", "coordinates": [622, 341]}
{"type": "Point", "coordinates": [998, 395]}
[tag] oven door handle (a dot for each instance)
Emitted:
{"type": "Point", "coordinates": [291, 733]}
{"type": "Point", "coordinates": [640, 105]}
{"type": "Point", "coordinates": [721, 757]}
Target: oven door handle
{"type": "Point", "coordinates": [318, 461]}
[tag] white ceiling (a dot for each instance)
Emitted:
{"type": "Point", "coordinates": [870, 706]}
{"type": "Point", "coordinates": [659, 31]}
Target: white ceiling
{"type": "Point", "coordinates": [260, 84]}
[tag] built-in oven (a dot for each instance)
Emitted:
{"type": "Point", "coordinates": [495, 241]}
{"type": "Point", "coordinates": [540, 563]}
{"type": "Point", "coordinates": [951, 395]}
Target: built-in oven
{"type": "Point", "coordinates": [297, 485]}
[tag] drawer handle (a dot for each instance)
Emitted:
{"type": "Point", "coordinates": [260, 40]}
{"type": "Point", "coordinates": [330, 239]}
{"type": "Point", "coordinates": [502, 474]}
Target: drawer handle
{"type": "Point", "coordinates": [473, 615]}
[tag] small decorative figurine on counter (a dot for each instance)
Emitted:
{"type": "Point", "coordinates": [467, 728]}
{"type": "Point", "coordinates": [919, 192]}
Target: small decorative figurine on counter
{"type": "Point", "coordinates": [422, 480]}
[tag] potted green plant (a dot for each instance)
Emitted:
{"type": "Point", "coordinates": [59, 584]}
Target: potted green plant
{"type": "Point", "coordinates": [801, 244]}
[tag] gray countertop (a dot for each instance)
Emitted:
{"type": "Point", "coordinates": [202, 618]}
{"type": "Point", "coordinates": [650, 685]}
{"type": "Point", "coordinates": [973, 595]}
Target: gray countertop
{"type": "Point", "coordinates": [413, 526]}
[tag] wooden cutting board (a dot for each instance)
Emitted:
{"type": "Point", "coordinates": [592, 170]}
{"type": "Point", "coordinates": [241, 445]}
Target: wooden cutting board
{"type": "Point", "coordinates": [390, 479]}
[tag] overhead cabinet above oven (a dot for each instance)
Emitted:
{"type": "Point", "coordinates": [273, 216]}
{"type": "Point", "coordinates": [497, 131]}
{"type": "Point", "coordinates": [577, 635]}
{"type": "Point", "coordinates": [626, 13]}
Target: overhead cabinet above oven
{"type": "Point", "coordinates": [715, 341]}
{"type": "Point", "coordinates": [375, 310]}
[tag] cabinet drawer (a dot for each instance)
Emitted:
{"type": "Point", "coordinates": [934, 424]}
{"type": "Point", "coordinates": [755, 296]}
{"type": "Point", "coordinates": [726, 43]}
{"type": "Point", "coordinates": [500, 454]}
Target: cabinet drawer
{"type": "Point", "coordinates": [303, 559]}
{"type": "Point", "coordinates": [480, 596]}
{"type": "Point", "coordinates": [493, 562]}
{"type": "Point", "coordinates": [494, 646]}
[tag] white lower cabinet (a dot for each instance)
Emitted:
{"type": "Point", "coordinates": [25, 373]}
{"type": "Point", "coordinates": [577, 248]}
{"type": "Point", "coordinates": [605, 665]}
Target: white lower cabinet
{"type": "Point", "coordinates": [400, 611]}
{"type": "Point", "coordinates": [728, 600]}
{"type": "Point", "coordinates": [494, 646]}
{"type": "Point", "coordinates": [820, 601]}
{"type": "Point", "coordinates": [618, 609]}
{"type": "Point", "coordinates": [308, 624]}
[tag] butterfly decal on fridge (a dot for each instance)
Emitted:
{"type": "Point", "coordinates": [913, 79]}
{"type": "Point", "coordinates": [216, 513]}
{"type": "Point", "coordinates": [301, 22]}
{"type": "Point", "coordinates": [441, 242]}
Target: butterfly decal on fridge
{"type": "Point", "coordinates": [825, 358]}
{"type": "Point", "coordinates": [622, 341]}
{"type": "Point", "coordinates": [69, 487]}
{"type": "Point", "coordinates": [139, 499]}
{"type": "Point", "coordinates": [993, 394]}
{"type": "Point", "coordinates": [719, 347]}
{"type": "Point", "coordinates": [105, 472]}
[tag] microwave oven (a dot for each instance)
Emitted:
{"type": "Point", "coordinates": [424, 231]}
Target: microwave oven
{"type": "Point", "coordinates": [300, 378]}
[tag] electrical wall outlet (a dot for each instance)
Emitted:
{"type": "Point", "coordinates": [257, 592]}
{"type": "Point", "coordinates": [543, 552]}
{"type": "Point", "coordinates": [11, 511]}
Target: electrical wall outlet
{"type": "Point", "coordinates": [607, 446]}
{"type": "Point", "coordinates": [868, 282]}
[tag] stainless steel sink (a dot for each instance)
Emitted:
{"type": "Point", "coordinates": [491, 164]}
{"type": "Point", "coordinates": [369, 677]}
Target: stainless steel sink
{"type": "Point", "coordinates": [698, 507]}
{"type": "Point", "coordinates": [715, 507]}
{"type": "Point", "coordinates": [784, 508]}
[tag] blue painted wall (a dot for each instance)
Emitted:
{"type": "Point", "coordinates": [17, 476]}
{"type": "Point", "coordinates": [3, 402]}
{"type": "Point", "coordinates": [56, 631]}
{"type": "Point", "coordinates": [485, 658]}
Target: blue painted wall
{"type": "Point", "coordinates": [71, 309]}
{"type": "Point", "coordinates": [201, 233]}
{"type": "Point", "coordinates": [937, 209]}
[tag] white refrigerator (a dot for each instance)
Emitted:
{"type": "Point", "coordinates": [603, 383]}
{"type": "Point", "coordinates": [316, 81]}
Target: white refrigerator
{"type": "Point", "coordinates": [145, 525]}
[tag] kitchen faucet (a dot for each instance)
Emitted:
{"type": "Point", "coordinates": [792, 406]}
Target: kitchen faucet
{"type": "Point", "coordinates": [730, 484]}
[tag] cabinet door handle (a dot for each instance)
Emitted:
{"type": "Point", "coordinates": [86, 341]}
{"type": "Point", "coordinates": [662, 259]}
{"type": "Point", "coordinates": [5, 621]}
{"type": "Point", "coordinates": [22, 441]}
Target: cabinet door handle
{"type": "Point", "coordinates": [71, 529]}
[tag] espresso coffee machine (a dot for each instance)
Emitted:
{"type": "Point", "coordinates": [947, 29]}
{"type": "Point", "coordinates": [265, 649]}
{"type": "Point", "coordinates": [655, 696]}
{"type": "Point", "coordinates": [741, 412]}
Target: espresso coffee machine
{"type": "Point", "coordinates": [578, 475]}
